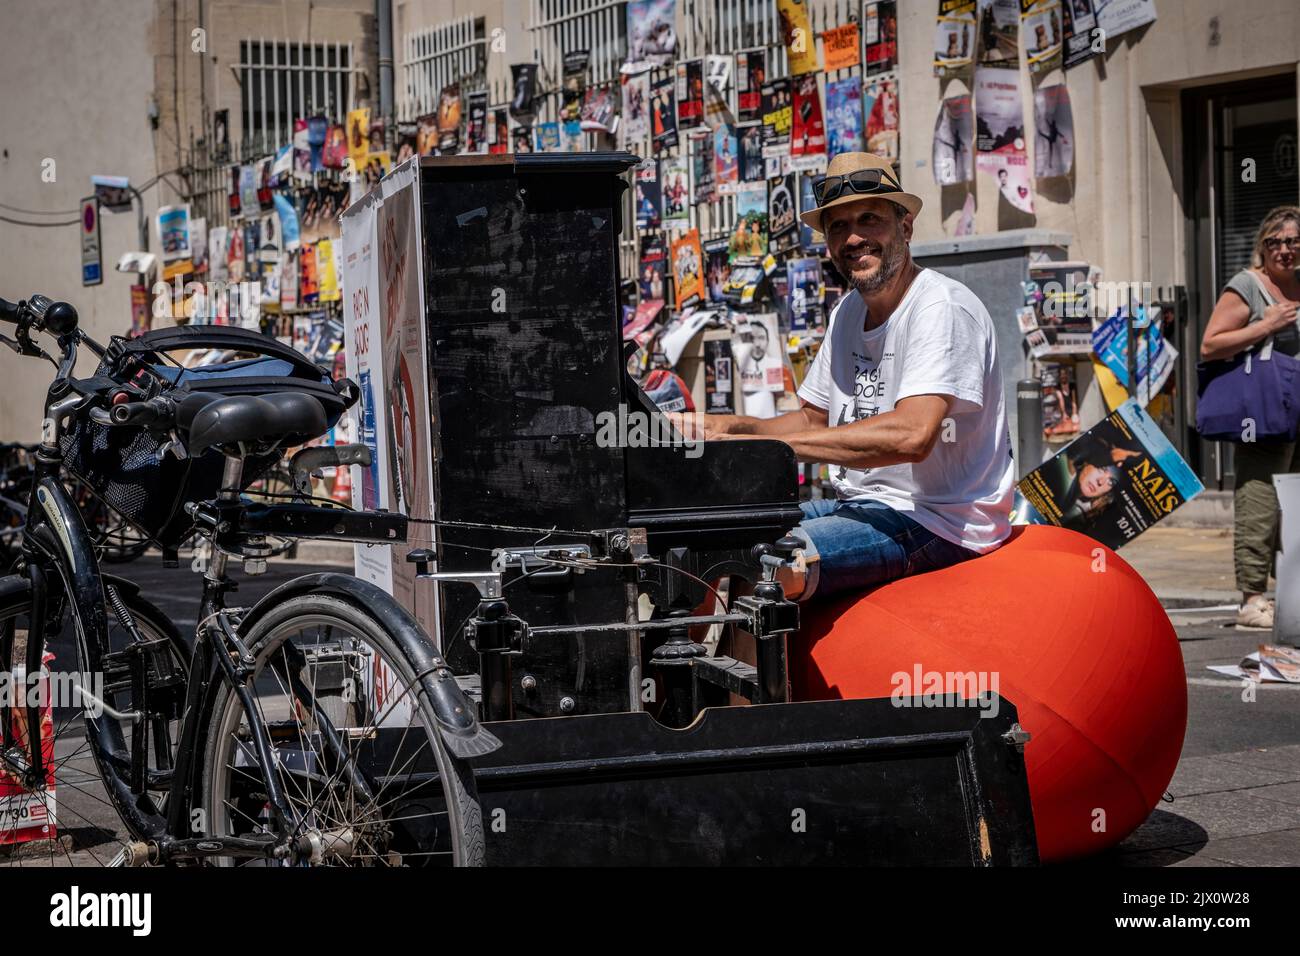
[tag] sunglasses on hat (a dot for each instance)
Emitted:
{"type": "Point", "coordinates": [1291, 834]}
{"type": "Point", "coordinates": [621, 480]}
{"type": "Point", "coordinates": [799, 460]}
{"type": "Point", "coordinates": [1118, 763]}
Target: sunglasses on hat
{"type": "Point", "coordinates": [859, 181]}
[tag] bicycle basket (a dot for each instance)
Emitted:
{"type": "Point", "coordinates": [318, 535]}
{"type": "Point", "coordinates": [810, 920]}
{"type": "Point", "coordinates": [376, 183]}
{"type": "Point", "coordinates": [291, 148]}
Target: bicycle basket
{"type": "Point", "coordinates": [122, 465]}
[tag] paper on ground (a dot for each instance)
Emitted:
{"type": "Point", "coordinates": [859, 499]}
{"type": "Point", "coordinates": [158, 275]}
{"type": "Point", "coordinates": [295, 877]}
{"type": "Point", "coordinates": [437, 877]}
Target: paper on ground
{"type": "Point", "coordinates": [1267, 665]}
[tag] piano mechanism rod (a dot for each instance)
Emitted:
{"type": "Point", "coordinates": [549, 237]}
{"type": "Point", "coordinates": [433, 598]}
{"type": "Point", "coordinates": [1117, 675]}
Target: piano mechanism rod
{"type": "Point", "coordinates": [660, 625]}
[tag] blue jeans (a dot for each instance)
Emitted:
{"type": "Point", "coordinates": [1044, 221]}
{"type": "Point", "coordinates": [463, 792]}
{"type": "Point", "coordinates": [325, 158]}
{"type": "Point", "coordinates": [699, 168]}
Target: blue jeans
{"type": "Point", "coordinates": [860, 544]}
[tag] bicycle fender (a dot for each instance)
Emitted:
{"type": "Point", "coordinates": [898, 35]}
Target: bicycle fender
{"type": "Point", "coordinates": [457, 721]}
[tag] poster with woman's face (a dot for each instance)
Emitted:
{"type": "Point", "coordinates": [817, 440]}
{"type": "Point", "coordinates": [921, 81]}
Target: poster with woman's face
{"type": "Point", "coordinates": [663, 117]}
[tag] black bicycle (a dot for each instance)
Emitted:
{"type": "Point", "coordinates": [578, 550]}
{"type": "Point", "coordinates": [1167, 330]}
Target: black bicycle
{"type": "Point", "coordinates": [319, 726]}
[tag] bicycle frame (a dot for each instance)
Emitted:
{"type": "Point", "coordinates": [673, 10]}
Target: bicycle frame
{"type": "Point", "coordinates": [56, 544]}
{"type": "Point", "coordinates": [61, 565]}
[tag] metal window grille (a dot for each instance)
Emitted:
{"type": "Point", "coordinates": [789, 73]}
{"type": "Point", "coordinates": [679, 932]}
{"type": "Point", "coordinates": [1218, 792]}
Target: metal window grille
{"type": "Point", "coordinates": [723, 27]}
{"type": "Point", "coordinates": [727, 26]}
{"type": "Point", "coordinates": [285, 80]}
{"type": "Point", "coordinates": [453, 52]}
{"type": "Point", "coordinates": [563, 26]}
{"type": "Point", "coordinates": [704, 27]}
{"type": "Point", "coordinates": [599, 26]}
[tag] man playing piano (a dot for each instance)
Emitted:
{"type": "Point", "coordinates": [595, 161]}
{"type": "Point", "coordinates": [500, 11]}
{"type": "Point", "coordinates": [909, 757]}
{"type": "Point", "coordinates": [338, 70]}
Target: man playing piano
{"type": "Point", "coordinates": [904, 402]}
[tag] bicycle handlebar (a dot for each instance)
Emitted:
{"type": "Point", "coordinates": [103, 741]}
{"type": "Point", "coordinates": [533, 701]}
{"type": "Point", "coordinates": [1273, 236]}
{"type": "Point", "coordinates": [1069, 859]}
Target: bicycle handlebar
{"type": "Point", "coordinates": [149, 412]}
{"type": "Point", "coordinates": [41, 313]}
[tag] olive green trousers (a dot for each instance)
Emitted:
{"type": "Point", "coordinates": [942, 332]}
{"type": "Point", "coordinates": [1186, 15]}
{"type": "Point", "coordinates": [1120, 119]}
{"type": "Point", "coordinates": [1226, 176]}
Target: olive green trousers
{"type": "Point", "coordinates": [1255, 515]}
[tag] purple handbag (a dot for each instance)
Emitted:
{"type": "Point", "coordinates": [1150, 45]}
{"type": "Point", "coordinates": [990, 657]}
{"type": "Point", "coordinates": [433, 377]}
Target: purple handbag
{"type": "Point", "coordinates": [1251, 387]}
{"type": "Point", "coordinates": [1256, 386]}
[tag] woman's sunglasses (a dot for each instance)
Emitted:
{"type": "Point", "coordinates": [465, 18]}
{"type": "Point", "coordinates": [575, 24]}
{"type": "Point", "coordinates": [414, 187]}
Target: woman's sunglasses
{"type": "Point", "coordinates": [1273, 243]}
{"type": "Point", "coordinates": [858, 181]}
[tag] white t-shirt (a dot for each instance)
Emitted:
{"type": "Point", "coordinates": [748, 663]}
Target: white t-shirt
{"type": "Point", "coordinates": [939, 341]}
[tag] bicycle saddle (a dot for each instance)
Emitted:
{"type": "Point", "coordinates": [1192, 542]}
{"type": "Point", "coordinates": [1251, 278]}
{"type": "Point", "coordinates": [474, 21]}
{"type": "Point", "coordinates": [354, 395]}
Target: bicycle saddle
{"type": "Point", "coordinates": [281, 418]}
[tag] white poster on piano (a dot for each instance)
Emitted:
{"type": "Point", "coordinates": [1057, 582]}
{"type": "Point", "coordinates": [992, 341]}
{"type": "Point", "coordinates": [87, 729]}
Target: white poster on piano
{"type": "Point", "coordinates": [362, 343]}
{"type": "Point", "coordinates": [406, 401]}
{"type": "Point", "coordinates": [382, 278]}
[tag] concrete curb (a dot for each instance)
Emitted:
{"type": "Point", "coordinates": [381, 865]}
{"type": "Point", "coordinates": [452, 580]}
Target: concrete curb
{"type": "Point", "coordinates": [1209, 509]}
{"type": "Point", "coordinates": [334, 553]}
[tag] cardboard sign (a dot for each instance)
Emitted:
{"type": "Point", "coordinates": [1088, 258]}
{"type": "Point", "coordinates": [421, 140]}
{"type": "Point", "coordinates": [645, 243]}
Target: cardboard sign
{"type": "Point", "coordinates": [842, 47]}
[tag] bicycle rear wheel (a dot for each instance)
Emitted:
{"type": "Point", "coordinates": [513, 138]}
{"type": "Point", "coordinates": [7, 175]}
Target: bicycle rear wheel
{"type": "Point", "coordinates": [327, 670]}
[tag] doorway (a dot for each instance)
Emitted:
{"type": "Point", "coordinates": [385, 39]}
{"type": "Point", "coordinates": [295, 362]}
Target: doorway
{"type": "Point", "coordinates": [1241, 161]}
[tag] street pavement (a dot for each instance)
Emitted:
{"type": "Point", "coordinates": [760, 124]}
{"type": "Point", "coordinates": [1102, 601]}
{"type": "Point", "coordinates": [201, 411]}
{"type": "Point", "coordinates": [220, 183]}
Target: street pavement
{"type": "Point", "coordinates": [1236, 793]}
{"type": "Point", "coordinates": [1234, 801]}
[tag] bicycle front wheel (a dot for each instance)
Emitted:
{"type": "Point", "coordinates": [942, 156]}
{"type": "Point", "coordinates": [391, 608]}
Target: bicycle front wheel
{"type": "Point", "coordinates": [68, 817]}
{"type": "Point", "coordinates": [354, 744]}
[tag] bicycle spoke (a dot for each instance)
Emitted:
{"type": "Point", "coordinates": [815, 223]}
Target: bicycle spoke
{"type": "Point", "coordinates": [402, 817]}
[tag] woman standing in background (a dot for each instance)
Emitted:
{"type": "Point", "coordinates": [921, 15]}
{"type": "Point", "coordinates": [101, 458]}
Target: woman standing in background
{"type": "Point", "coordinates": [1257, 304]}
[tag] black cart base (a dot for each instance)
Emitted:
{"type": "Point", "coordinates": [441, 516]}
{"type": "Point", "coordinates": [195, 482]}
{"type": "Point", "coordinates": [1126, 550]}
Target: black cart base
{"type": "Point", "coordinates": [853, 782]}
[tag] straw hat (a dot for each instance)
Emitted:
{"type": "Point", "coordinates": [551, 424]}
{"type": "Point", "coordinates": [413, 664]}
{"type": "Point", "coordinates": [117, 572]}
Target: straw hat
{"type": "Point", "coordinates": [890, 187]}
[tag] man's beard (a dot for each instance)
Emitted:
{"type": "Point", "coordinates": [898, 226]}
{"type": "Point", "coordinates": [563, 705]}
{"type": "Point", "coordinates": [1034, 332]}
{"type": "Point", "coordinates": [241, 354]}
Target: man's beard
{"type": "Point", "coordinates": [892, 259]}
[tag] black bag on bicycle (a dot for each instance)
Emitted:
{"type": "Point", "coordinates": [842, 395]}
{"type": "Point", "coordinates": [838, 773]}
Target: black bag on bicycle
{"type": "Point", "coordinates": [126, 468]}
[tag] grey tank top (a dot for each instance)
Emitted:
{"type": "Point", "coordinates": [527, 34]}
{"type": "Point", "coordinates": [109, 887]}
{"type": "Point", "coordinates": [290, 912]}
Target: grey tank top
{"type": "Point", "coordinates": [1249, 288]}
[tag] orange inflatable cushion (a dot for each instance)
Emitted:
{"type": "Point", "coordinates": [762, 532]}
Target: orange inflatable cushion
{"type": "Point", "coordinates": [1076, 641]}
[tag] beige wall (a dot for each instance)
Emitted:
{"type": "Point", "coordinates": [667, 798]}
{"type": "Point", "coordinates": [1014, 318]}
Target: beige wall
{"type": "Point", "coordinates": [76, 77]}
{"type": "Point", "coordinates": [79, 77]}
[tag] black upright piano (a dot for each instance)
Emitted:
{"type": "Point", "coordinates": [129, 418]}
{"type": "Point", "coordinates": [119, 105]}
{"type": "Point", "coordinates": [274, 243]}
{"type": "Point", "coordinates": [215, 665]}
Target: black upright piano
{"type": "Point", "coordinates": [644, 761]}
{"type": "Point", "coordinates": [525, 357]}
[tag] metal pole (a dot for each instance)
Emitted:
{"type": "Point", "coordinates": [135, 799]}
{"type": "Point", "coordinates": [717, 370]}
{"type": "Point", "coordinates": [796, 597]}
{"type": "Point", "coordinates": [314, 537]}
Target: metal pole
{"type": "Point", "coordinates": [1131, 350]}
{"type": "Point", "coordinates": [142, 223]}
{"type": "Point", "coordinates": [1029, 424]}
{"type": "Point", "coordinates": [384, 18]}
